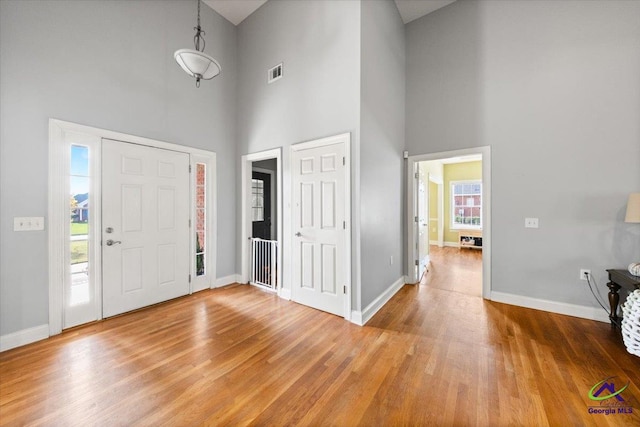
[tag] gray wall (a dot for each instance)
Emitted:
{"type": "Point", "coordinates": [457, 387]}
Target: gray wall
{"type": "Point", "coordinates": [553, 88]}
{"type": "Point", "coordinates": [382, 94]}
{"type": "Point", "coordinates": [110, 65]}
{"type": "Point", "coordinates": [318, 42]}
{"type": "Point", "coordinates": [319, 93]}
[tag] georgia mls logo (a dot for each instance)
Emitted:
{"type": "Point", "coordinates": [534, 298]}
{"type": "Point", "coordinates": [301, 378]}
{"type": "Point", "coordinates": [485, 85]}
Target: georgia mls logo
{"type": "Point", "coordinates": [610, 399]}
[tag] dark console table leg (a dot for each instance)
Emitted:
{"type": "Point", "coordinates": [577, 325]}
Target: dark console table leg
{"type": "Point", "coordinates": [614, 300]}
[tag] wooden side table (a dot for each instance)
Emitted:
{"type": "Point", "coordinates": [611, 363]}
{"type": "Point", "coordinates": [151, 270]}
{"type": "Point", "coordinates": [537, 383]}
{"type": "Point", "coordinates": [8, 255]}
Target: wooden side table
{"type": "Point", "coordinates": [619, 279]}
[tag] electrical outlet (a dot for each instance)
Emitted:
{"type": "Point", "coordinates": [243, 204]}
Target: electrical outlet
{"type": "Point", "coordinates": [584, 273]}
{"type": "Point", "coordinates": [531, 222]}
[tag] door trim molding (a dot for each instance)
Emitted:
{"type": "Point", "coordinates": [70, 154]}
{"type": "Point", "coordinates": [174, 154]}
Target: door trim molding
{"type": "Point", "coordinates": [58, 206]}
{"type": "Point", "coordinates": [485, 151]}
{"type": "Point", "coordinates": [245, 219]}
{"type": "Point", "coordinates": [345, 139]}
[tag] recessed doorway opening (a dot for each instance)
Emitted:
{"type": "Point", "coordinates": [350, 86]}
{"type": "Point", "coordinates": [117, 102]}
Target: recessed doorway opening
{"type": "Point", "coordinates": [450, 218]}
{"type": "Point", "coordinates": [262, 219]}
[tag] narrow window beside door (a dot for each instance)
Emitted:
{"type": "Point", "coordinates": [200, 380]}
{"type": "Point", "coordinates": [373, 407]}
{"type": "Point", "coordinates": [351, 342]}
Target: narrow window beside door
{"type": "Point", "coordinates": [79, 227]}
{"type": "Point", "coordinates": [201, 215]}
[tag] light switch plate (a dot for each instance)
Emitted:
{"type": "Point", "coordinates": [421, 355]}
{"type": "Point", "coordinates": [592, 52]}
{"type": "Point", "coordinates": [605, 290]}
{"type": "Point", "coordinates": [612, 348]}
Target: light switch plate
{"type": "Point", "coordinates": [28, 223]}
{"type": "Point", "coordinates": [531, 222]}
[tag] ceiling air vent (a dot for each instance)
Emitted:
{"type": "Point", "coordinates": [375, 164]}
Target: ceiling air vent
{"type": "Point", "coordinates": [274, 73]}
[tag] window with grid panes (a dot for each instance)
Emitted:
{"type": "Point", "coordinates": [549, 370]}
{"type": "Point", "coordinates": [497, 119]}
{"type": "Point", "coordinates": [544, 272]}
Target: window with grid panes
{"type": "Point", "coordinates": [466, 204]}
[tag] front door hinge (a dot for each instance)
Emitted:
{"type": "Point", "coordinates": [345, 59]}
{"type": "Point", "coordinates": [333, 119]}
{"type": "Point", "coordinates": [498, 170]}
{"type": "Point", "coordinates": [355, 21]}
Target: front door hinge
{"type": "Point", "coordinates": [344, 162]}
{"type": "Point", "coordinates": [417, 175]}
{"type": "Point", "coordinates": [189, 168]}
{"type": "Point", "coordinates": [417, 262]}
{"type": "Point", "coordinates": [344, 225]}
{"type": "Point", "coordinates": [189, 278]}
{"type": "Point", "coordinates": [415, 219]}
{"type": "Point", "coordinates": [344, 289]}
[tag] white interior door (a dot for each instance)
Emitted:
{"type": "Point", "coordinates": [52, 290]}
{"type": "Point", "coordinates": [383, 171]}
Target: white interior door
{"type": "Point", "coordinates": [422, 223]}
{"type": "Point", "coordinates": [319, 242]}
{"type": "Point", "coordinates": [145, 226]}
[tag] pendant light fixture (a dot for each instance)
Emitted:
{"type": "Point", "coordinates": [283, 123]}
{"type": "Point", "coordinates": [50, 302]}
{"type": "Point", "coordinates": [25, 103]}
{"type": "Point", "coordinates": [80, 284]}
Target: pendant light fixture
{"type": "Point", "coordinates": [195, 62]}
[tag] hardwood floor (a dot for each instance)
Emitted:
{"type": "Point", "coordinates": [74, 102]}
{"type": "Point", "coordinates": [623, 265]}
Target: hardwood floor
{"type": "Point", "coordinates": [434, 355]}
{"type": "Point", "coordinates": [456, 270]}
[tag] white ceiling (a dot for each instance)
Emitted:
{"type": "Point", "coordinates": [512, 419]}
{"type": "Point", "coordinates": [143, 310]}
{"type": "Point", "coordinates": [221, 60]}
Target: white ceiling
{"type": "Point", "coordinates": [462, 159]}
{"type": "Point", "coordinates": [237, 10]}
{"type": "Point", "coordinates": [414, 9]}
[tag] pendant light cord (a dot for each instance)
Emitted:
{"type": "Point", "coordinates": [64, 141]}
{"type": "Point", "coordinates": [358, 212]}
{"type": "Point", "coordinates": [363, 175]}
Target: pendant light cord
{"type": "Point", "coordinates": [199, 33]}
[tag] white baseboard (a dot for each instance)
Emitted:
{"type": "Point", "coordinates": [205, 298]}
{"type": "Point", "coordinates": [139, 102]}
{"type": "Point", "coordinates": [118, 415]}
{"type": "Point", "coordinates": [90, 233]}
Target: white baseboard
{"type": "Point", "coordinates": [24, 337]}
{"type": "Point", "coordinates": [361, 318]}
{"type": "Point", "coordinates": [584, 312]}
{"type": "Point", "coordinates": [356, 317]}
{"type": "Point", "coordinates": [452, 244]}
{"type": "Point", "coordinates": [227, 280]}
{"type": "Point", "coordinates": [284, 293]}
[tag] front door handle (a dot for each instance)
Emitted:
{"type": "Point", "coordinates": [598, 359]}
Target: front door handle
{"type": "Point", "coordinates": [113, 242]}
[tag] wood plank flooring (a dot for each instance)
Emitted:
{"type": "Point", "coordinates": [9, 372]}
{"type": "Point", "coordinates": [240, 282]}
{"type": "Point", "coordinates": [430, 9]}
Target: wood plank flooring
{"type": "Point", "coordinates": [436, 354]}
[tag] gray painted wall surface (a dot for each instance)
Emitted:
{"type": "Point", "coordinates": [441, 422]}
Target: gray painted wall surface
{"type": "Point", "coordinates": [269, 164]}
{"type": "Point", "coordinates": [110, 65]}
{"type": "Point", "coordinates": [553, 88]}
{"type": "Point", "coordinates": [318, 42]}
{"type": "Point", "coordinates": [381, 144]}
{"type": "Point", "coordinates": [319, 93]}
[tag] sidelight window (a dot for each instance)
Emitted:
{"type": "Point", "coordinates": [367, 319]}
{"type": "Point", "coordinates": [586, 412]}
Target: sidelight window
{"type": "Point", "coordinates": [79, 211]}
{"type": "Point", "coordinates": [201, 218]}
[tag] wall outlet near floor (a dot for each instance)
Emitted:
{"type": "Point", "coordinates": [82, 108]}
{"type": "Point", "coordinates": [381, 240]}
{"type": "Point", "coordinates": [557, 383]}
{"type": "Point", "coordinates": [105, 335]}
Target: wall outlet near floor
{"type": "Point", "coordinates": [584, 273]}
{"type": "Point", "coordinates": [531, 222]}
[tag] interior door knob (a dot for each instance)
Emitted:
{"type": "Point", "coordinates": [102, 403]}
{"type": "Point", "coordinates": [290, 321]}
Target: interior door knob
{"type": "Point", "coordinates": [298, 234]}
{"type": "Point", "coordinates": [113, 242]}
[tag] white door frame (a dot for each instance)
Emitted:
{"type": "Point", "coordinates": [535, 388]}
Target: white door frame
{"type": "Point", "coordinates": [485, 151]}
{"type": "Point", "coordinates": [345, 139]}
{"type": "Point", "coordinates": [245, 218]}
{"type": "Point", "coordinates": [58, 208]}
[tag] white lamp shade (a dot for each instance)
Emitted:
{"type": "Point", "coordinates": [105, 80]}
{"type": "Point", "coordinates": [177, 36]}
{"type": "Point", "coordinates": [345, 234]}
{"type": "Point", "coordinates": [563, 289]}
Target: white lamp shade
{"type": "Point", "coordinates": [633, 208]}
{"type": "Point", "coordinates": [197, 64]}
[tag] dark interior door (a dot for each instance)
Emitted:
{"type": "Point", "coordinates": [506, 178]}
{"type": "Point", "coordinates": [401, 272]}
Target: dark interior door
{"type": "Point", "coordinates": [261, 205]}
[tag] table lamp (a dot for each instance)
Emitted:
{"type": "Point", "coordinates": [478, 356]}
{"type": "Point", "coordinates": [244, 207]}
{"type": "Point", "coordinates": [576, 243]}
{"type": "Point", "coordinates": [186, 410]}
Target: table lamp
{"type": "Point", "coordinates": [633, 215]}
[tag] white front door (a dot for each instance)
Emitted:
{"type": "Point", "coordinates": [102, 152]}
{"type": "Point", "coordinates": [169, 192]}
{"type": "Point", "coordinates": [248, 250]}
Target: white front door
{"type": "Point", "coordinates": [145, 226]}
{"type": "Point", "coordinates": [319, 222]}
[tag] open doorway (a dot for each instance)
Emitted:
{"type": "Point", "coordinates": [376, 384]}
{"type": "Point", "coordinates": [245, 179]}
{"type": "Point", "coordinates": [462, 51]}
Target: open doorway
{"type": "Point", "coordinates": [262, 219]}
{"type": "Point", "coordinates": [263, 197]}
{"type": "Point", "coordinates": [450, 219]}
